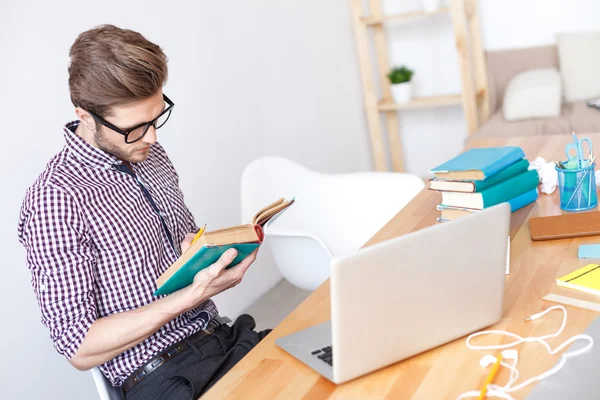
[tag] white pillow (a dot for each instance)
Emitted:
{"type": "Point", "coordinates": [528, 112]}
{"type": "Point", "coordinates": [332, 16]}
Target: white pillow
{"type": "Point", "coordinates": [579, 59]}
{"type": "Point", "coordinates": [535, 93]}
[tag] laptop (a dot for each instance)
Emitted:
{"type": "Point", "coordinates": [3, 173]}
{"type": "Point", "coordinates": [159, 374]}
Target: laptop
{"type": "Point", "coordinates": [401, 297]}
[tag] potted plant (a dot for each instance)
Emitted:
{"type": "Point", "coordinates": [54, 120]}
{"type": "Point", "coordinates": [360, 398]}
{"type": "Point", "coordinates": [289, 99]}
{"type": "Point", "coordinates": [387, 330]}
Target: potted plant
{"type": "Point", "coordinates": [401, 84]}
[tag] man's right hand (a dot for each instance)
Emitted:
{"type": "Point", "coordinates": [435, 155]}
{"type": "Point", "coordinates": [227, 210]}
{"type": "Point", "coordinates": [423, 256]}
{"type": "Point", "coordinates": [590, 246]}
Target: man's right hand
{"type": "Point", "coordinates": [112, 335]}
{"type": "Point", "coordinates": [216, 279]}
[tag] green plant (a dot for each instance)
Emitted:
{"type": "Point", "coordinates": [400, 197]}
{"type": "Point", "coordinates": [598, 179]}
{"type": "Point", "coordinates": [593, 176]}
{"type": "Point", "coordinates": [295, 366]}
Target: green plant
{"type": "Point", "coordinates": [400, 75]}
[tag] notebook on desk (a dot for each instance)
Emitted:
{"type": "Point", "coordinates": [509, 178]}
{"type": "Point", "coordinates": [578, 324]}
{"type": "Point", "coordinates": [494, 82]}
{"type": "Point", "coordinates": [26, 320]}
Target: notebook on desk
{"type": "Point", "coordinates": [573, 294]}
{"type": "Point", "coordinates": [585, 279]}
{"type": "Point", "coordinates": [565, 226]}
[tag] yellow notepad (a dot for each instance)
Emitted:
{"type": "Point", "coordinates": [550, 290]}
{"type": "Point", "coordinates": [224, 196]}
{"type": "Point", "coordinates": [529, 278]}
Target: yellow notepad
{"type": "Point", "coordinates": [586, 279]}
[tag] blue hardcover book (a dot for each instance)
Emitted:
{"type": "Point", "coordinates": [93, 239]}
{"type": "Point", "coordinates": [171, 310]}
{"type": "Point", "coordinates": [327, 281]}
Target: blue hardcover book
{"type": "Point", "coordinates": [520, 201]}
{"type": "Point", "coordinates": [478, 164]}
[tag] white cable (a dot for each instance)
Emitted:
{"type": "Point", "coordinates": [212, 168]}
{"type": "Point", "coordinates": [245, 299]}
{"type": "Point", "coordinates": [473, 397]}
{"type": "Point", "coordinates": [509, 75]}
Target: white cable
{"type": "Point", "coordinates": [514, 373]}
{"type": "Point", "coordinates": [503, 391]}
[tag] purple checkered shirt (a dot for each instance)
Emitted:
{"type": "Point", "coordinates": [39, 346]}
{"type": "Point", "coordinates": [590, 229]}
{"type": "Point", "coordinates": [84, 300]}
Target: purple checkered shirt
{"type": "Point", "coordinates": [96, 244]}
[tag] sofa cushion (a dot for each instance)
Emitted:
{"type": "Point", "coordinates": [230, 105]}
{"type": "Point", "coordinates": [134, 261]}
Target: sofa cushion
{"type": "Point", "coordinates": [535, 93]}
{"type": "Point", "coordinates": [579, 58]}
{"type": "Point", "coordinates": [503, 65]}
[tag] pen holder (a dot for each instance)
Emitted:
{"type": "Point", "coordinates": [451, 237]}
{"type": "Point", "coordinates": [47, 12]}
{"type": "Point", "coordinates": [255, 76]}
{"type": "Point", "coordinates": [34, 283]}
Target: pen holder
{"type": "Point", "coordinates": [577, 188]}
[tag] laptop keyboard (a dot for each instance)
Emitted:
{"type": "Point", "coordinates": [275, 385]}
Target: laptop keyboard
{"type": "Point", "coordinates": [324, 354]}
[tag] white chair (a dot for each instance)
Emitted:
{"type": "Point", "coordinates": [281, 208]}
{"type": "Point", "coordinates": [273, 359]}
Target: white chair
{"type": "Point", "coordinates": [334, 214]}
{"type": "Point", "coordinates": [106, 391]}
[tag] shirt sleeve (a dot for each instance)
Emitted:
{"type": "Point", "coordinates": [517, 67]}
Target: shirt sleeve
{"type": "Point", "coordinates": [61, 258]}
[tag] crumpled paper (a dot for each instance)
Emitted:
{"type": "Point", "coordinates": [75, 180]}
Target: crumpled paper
{"type": "Point", "coordinates": [549, 176]}
{"type": "Point", "coordinates": [547, 173]}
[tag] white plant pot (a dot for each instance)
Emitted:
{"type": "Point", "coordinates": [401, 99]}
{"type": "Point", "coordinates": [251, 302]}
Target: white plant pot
{"type": "Point", "coordinates": [402, 92]}
{"type": "Point", "coordinates": [430, 5]}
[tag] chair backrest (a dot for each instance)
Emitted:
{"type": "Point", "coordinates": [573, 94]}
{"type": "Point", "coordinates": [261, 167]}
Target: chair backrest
{"type": "Point", "coordinates": [338, 211]}
{"type": "Point", "coordinates": [343, 210]}
{"type": "Point", "coordinates": [106, 391]}
{"type": "Point", "coordinates": [302, 260]}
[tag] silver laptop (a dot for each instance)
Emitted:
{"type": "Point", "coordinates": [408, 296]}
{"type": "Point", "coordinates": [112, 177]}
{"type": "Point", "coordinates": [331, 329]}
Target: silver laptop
{"type": "Point", "coordinates": [407, 295]}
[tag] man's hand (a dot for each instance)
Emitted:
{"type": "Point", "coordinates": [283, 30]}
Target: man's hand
{"type": "Point", "coordinates": [187, 242]}
{"type": "Point", "coordinates": [216, 279]}
{"type": "Point", "coordinates": [112, 335]}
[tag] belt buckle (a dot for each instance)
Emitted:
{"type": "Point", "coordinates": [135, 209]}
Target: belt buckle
{"type": "Point", "coordinates": [209, 330]}
{"type": "Point", "coordinates": [220, 321]}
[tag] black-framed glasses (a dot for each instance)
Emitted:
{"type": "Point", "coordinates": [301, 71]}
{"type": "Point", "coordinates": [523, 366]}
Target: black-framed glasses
{"type": "Point", "coordinates": [137, 132]}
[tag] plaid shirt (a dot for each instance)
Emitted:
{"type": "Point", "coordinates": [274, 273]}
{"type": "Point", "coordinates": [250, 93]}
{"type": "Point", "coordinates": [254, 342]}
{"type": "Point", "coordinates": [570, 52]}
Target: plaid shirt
{"type": "Point", "coordinates": [97, 238]}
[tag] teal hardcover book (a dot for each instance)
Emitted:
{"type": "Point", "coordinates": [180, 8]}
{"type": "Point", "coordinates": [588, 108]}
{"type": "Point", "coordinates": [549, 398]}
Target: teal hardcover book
{"type": "Point", "coordinates": [479, 163]}
{"type": "Point", "coordinates": [516, 203]}
{"type": "Point", "coordinates": [496, 194]}
{"type": "Point", "coordinates": [209, 246]}
{"type": "Point", "coordinates": [478, 186]}
{"type": "Point", "coordinates": [206, 256]}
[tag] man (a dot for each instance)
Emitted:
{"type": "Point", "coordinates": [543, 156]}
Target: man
{"type": "Point", "coordinates": [106, 218]}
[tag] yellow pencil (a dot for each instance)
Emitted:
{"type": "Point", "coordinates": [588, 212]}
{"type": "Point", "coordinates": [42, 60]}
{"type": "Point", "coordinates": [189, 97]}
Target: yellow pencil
{"type": "Point", "coordinates": [490, 377]}
{"type": "Point", "coordinates": [200, 232]}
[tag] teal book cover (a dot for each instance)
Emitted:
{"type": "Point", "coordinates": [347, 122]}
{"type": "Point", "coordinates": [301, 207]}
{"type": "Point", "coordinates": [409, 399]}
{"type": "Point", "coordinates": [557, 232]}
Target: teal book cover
{"type": "Point", "coordinates": [203, 258]}
{"type": "Point", "coordinates": [208, 247]}
{"type": "Point", "coordinates": [482, 163]}
{"type": "Point", "coordinates": [515, 169]}
{"type": "Point", "coordinates": [516, 203]}
{"type": "Point", "coordinates": [510, 188]}
{"type": "Point", "coordinates": [496, 194]}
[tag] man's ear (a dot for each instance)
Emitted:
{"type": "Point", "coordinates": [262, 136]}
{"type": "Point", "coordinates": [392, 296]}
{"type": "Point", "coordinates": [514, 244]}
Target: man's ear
{"type": "Point", "coordinates": [86, 118]}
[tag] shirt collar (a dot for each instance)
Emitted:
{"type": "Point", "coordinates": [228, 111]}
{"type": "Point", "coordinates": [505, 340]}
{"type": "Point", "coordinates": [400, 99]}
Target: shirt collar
{"type": "Point", "coordinates": [85, 152]}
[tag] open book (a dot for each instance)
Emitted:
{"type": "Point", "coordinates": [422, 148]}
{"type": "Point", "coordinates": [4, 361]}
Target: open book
{"type": "Point", "coordinates": [211, 245]}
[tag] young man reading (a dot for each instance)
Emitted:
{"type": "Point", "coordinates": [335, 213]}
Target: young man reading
{"type": "Point", "coordinates": [106, 218]}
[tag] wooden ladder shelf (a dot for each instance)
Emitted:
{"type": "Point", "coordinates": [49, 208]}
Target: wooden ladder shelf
{"type": "Point", "coordinates": [474, 97]}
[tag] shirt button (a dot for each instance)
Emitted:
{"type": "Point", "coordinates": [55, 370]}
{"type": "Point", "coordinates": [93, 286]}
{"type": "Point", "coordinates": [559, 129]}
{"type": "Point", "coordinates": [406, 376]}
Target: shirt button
{"type": "Point", "coordinates": [42, 287]}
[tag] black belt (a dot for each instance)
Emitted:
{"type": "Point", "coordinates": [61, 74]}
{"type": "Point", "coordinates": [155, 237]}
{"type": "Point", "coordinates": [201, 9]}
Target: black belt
{"type": "Point", "coordinates": [141, 373]}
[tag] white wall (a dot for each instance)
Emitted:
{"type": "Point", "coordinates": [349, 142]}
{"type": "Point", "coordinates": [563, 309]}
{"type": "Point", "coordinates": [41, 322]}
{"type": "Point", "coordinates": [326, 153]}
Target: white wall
{"type": "Point", "coordinates": [248, 79]}
{"type": "Point", "coordinates": [431, 136]}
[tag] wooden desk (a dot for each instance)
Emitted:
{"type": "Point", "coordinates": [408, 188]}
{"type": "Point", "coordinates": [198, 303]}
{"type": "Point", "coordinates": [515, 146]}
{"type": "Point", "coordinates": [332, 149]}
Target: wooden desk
{"type": "Point", "coordinates": [268, 372]}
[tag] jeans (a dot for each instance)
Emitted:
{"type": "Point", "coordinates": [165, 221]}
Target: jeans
{"type": "Point", "coordinates": [192, 372]}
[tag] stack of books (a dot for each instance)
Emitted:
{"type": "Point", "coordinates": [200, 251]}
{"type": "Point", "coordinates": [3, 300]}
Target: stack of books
{"type": "Point", "coordinates": [481, 178]}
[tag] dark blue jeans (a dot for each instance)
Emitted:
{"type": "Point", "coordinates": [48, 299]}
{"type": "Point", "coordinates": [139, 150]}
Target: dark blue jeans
{"type": "Point", "coordinates": [192, 372]}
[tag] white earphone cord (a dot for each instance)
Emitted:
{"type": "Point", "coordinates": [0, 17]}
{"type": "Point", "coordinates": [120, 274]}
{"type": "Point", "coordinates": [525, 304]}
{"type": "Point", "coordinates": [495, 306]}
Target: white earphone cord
{"type": "Point", "coordinates": [503, 391]}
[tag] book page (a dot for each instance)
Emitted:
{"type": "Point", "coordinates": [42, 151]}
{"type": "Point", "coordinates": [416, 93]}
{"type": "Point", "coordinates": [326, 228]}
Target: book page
{"type": "Point", "coordinates": [262, 210]}
{"type": "Point", "coordinates": [270, 213]}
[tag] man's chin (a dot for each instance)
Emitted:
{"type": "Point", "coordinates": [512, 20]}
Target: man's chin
{"type": "Point", "coordinates": [139, 156]}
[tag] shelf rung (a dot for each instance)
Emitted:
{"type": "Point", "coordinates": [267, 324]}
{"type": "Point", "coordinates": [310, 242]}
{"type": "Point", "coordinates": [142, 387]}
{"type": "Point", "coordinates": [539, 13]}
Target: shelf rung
{"type": "Point", "coordinates": [422, 102]}
{"type": "Point", "coordinates": [404, 16]}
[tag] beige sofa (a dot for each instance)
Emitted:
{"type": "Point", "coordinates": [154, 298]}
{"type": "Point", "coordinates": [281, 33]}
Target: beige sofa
{"type": "Point", "coordinates": [502, 67]}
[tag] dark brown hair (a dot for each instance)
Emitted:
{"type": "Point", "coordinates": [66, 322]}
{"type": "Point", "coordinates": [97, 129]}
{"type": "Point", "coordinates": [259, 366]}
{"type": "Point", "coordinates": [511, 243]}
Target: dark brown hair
{"type": "Point", "coordinates": [112, 66]}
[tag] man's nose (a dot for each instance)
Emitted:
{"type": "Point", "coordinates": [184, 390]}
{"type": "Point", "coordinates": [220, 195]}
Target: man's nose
{"type": "Point", "coordinates": [150, 136]}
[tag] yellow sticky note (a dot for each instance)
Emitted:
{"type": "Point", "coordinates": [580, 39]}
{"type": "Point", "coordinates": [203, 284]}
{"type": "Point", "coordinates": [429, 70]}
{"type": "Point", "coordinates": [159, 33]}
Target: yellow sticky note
{"type": "Point", "coordinates": [586, 279]}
